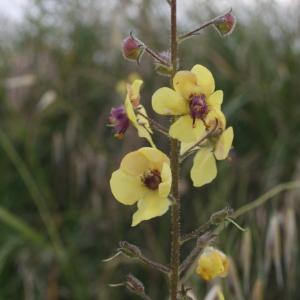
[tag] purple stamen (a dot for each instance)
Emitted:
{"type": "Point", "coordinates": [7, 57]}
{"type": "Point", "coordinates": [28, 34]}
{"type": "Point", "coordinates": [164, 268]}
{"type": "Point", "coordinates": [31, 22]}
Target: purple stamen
{"type": "Point", "coordinates": [198, 107]}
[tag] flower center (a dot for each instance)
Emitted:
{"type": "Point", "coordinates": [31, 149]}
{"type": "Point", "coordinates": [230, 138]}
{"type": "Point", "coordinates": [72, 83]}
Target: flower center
{"type": "Point", "coordinates": [198, 107]}
{"type": "Point", "coordinates": [118, 120]}
{"type": "Point", "coordinates": [152, 179]}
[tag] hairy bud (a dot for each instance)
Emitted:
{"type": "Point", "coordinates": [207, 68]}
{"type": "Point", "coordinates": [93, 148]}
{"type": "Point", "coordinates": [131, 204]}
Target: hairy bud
{"type": "Point", "coordinates": [134, 285]}
{"type": "Point", "coordinates": [225, 24]}
{"type": "Point", "coordinates": [220, 215]}
{"type": "Point", "coordinates": [132, 48]}
{"type": "Point", "coordinates": [129, 250]}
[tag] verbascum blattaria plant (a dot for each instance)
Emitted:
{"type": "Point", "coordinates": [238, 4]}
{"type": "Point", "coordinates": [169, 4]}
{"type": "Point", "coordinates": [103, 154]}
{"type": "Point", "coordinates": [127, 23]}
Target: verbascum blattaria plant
{"type": "Point", "coordinates": [148, 178]}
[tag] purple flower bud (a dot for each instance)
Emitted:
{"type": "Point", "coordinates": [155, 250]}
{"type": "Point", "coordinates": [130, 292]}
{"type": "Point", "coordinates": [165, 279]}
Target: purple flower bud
{"type": "Point", "coordinates": [132, 48]}
{"type": "Point", "coordinates": [119, 121]}
{"type": "Point", "coordinates": [225, 24]}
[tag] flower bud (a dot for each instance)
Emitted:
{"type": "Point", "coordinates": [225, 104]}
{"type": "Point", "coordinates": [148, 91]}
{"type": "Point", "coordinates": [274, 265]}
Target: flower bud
{"type": "Point", "coordinates": [164, 69]}
{"type": "Point", "coordinates": [225, 24]}
{"type": "Point", "coordinates": [132, 48]}
{"type": "Point", "coordinates": [129, 250]}
{"type": "Point", "coordinates": [212, 263]}
{"type": "Point", "coordinates": [134, 285]}
{"type": "Point", "coordinates": [220, 215]}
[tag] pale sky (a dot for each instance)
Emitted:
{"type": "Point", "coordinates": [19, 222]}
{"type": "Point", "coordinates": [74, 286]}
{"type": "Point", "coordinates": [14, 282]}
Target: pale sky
{"type": "Point", "coordinates": [13, 9]}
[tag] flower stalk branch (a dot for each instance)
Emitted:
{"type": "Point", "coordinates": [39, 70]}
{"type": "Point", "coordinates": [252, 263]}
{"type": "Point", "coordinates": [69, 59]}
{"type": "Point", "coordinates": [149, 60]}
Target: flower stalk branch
{"type": "Point", "coordinates": [215, 219]}
{"type": "Point", "coordinates": [202, 241]}
{"type": "Point", "coordinates": [149, 51]}
{"type": "Point", "coordinates": [193, 147]}
{"type": "Point", "coordinates": [155, 125]}
{"type": "Point", "coordinates": [203, 26]}
{"type": "Point", "coordinates": [133, 251]}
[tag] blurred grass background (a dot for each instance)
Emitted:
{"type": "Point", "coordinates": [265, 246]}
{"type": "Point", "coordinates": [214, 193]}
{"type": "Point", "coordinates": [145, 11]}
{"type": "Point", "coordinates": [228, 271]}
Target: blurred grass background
{"type": "Point", "coordinates": [60, 69]}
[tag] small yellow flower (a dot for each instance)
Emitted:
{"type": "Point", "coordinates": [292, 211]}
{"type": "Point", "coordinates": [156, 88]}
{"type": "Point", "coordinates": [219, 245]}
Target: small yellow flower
{"type": "Point", "coordinates": [132, 103]}
{"type": "Point", "coordinates": [212, 263]}
{"type": "Point", "coordinates": [193, 99]}
{"type": "Point", "coordinates": [144, 177]}
{"type": "Point", "coordinates": [216, 147]}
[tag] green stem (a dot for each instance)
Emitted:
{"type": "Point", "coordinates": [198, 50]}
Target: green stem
{"type": "Point", "coordinates": [174, 154]}
{"type": "Point", "coordinates": [265, 197]}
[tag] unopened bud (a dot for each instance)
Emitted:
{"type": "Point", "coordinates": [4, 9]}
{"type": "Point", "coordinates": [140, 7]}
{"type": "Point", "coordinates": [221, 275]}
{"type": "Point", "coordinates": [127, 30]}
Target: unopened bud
{"type": "Point", "coordinates": [225, 24]}
{"type": "Point", "coordinates": [162, 69]}
{"type": "Point", "coordinates": [132, 48]}
{"type": "Point", "coordinates": [129, 250]}
{"type": "Point", "coordinates": [134, 285]}
{"type": "Point", "coordinates": [220, 215]}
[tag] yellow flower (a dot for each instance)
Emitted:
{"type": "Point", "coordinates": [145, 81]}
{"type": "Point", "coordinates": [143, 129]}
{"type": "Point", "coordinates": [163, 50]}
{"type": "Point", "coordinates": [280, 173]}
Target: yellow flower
{"type": "Point", "coordinates": [212, 263]}
{"type": "Point", "coordinates": [216, 147]}
{"type": "Point", "coordinates": [144, 177]}
{"type": "Point", "coordinates": [193, 99]}
{"type": "Point", "coordinates": [132, 104]}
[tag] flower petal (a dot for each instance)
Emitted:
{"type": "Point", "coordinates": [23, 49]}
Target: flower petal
{"type": "Point", "coordinates": [126, 189]}
{"type": "Point", "coordinates": [215, 100]}
{"type": "Point", "coordinates": [166, 101]}
{"type": "Point", "coordinates": [143, 127]}
{"type": "Point", "coordinates": [183, 129]}
{"type": "Point", "coordinates": [205, 79]}
{"type": "Point", "coordinates": [134, 91]}
{"type": "Point", "coordinates": [214, 115]}
{"type": "Point", "coordinates": [135, 163]}
{"type": "Point", "coordinates": [142, 118]}
{"type": "Point", "coordinates": [185, 146]}
{"type": "Point", "coordinates": [211, 264]}
{"type": "Point", "coordinates": [185, 83]}
{"type": "Point", "coordinates": [166, 181]}
{"type": "Point", "coordinates": [204, 168]}
{"type": "Point", "coordinates": [155, 157]}
{"type": "Point", "coordinates": [224, 144]}
{"type": "Point", "coordinates": [130, 111]}
{"type": "Point", "coordinates": [150, 207]}
{"type": "Point", "coordinates": [143, 130]}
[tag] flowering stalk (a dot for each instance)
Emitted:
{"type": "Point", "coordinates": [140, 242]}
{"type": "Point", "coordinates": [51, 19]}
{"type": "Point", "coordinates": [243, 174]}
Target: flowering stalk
{"type": "Point", "coordinates": [174, 155]}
